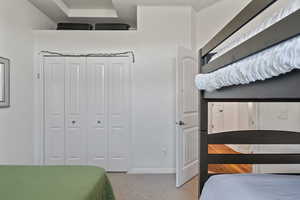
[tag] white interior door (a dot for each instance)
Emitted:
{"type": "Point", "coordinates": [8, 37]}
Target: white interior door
{"type": "Point", "coordinates": [217, 117]}
{"type": "Point", "coordinates": [119, 113]}
{"type": "Point", "coordinates": [97, 82]}
{"type": "Point", "coordinates": [54, 90]}
{"type": "Point", "coordinates": [75, 111]}
{"type": "Point", "coordinates": [187, 123]}
{"type": "Point", "coordinates": [232, 116]}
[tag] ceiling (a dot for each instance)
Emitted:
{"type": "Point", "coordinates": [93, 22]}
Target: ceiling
{"type": "Point", "coordinates": [92, 11]}
{"type": "Point", "coordinates": [89, 4]}
{"type": "Point", "coordinates": [201, 4]}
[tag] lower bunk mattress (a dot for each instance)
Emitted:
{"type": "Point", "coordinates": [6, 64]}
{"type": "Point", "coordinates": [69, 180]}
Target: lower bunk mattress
{"type": "Point", "coordinates": [252, 187]}
{"type": "Point", "coordinates": [54, 183]}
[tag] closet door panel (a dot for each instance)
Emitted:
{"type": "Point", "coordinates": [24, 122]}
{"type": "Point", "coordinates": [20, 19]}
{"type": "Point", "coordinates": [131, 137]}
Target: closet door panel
{"type": "Point", "coordinates": [75, 111]}
{"type": "Point", "coordinates": [119, 90]}
{"type": "Point", "coordinates": [97, 112]}
{"type": "Point", "coordinates": [54, 73]}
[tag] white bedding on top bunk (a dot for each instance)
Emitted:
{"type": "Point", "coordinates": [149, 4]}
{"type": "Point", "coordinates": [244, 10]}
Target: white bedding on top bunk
{"type": "Point", "coordinates": [271, 62]}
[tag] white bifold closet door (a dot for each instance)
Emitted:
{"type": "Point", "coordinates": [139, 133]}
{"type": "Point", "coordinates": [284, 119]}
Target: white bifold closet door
{"type": "Point", "coordinates": [97, 112]}
{"type": "Point", "coordinates": [75, 111]}
{"type": "Point", "coordinates": [87, 112]}
{"type": "Point", "coordinates": [54, 108]}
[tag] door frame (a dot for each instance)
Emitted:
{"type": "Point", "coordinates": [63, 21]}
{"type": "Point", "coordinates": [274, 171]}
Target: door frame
{"type": "Point", "coordinates": [39, 111]}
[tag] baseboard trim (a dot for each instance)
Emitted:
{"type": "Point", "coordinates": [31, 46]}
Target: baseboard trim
{"type": "Point", "coordinates": [152, 171]}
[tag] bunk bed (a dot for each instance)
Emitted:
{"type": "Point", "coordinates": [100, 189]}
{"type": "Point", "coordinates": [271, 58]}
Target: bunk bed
{"type": "Point", "coordinates": [261, 67]}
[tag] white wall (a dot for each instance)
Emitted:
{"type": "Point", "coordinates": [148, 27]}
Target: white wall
{"type": "Point", "coordinates": [160, 31]}
{"type": "Point", "coordinates": [17, 19]}
{"type": "Point", "coordinates": [212, 19]}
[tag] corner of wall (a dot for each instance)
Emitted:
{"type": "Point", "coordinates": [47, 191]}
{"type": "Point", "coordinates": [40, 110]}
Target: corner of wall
{"type": "Point", "coordinates": [139, 17]}
{"type": "Point", "coordinates": [193, 29]}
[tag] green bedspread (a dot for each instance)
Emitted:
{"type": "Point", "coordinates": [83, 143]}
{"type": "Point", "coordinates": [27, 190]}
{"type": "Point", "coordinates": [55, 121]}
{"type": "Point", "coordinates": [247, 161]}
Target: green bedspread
{"type": "Point", "coordinates": [54, 183]}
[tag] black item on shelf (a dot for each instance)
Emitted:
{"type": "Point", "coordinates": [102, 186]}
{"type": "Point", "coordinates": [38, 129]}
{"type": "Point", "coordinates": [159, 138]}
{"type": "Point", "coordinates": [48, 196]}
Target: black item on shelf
{"type": "Point", "coordinates": [111, 26]}
{"type": "Point", "coordinates": [74, 26]}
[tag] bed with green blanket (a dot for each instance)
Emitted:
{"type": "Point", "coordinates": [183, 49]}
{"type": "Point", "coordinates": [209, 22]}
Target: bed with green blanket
{"type": "Point", "coordinates": [54, 183]}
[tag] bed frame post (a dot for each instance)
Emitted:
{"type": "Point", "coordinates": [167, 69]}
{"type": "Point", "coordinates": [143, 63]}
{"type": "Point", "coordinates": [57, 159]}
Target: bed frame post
{"type": "Point", "coordinates": [203, 133]}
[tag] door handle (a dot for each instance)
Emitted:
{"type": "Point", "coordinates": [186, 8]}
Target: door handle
{"type": "Point", "coordinates": [180, 123]}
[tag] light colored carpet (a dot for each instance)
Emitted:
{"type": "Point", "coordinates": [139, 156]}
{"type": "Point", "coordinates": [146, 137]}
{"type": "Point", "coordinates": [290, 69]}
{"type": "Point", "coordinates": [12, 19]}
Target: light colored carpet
{"type": "Point", "coordinates": [151, 187]}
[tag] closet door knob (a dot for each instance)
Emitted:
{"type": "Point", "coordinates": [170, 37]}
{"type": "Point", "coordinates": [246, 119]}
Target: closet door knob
{"type": "Point", "coordinates": [98, 122]}
{"type": "Point", "coordinates": [73, 122]}
{"type": "Point", "coordinates": [180, 123]}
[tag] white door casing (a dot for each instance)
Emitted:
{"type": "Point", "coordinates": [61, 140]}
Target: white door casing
{"type": "Point", "coordinates": [187, 123]}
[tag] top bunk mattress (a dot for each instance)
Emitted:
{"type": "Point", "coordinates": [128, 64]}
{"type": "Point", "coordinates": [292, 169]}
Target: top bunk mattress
{"type": "Point", "coordinates": [277, 60]}
{"type": "Point", "coordinates": [252, 186]}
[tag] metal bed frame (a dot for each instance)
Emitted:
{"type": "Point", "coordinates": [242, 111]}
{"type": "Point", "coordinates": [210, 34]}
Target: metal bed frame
{"type": "Point", "coordinates": [284, 88]}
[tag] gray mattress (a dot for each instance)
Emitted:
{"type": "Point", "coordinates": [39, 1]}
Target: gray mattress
{"type": "Point", "coordinates": [252, 187]}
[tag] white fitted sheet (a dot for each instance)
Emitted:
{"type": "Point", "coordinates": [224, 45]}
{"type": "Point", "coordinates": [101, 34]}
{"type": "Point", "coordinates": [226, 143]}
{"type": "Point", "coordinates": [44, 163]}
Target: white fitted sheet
{"type": "Point", "coordinates": [252, 187]}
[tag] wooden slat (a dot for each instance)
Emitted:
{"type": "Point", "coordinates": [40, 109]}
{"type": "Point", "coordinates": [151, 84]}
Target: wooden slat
{"type": "Point", "coordinates": [284, 88]}
{"type": "Point", "coordinates": [255, 137]}
{"type": "Point", "coordinates": [253, 159]}
{"type": "Point", "coordinates": [279, 32]}
{"type": "Point", "coordinates": [253, 9]}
